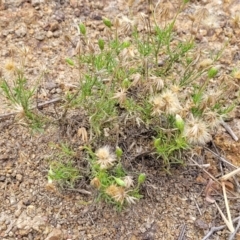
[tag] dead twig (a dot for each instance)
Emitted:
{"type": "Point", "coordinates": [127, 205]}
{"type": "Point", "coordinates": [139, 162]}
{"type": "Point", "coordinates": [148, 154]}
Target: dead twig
{"type": "Point", "coordinates": [211, 176]}
{"type": "Point", "coordinates": [215, 229]}
{"type": "Point", "coordinates": [220, 158]}
{"type": "Point", "coordinates": [229, 130]}
{"type": "Point", "coordinates": [229, 222]}
{"type": "Point", "coordinates": [49, 102]}
{"type": "Point", "coordinates": [182, 232]}
{"type": "Point", "coordinates": [220, 162]}
{"type": "Point", "coordinates": [91, 219]}
{"type": "Point", "coordinates": [11, 225]}
{"type": "Point", "coordinates": [229, 175]}
{"type": "Point", "coordinates": [37, 106]}
{"type": "Point", "coordinates": [83, 191]}
{"type": "Point", "coordinates": [202, 165]}
{"type": "Point", "coordinates": [232, 235]}
{"type": "Point", "coordinates": [197, 206]}
{"type": "Point", "coordinates": [237, 184]}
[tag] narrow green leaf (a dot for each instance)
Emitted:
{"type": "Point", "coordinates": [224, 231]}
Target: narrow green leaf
{"type": "Point", "coordinates": [101, 44]}
{"type": "Point", "coordinates": [141, 178]}
{"type": "Point", "coordinates": [69, 61]}
{"type": "Point", "coordinates": [82, 29]}
{"type": "Point", "coordinates": [107, 22]}
{"type": "Point", "coordinates": [120, 182]}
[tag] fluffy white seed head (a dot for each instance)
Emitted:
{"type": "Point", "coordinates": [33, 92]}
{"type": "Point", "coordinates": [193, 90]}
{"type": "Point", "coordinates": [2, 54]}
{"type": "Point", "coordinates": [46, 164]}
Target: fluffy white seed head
{"type": "Point", "coordinates": [105, 158]}
{"type": "Point", "coordinates": [196, 132]}
{"type": "Point", "coordinates": [167, 103]}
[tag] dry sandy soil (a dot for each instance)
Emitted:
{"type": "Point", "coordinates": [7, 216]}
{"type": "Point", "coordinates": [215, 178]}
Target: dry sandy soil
{"type": "Point", "coordinates": [174, 206]}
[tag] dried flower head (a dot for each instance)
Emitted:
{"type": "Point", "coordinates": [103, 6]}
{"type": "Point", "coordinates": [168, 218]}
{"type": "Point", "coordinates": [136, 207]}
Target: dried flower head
{"type": "Point", "coordinates": [175, 88]}
{"type": "Point", "coordinates": [120, 96]}
{"type": "Point", "coordinates": [130, 2]}
{"type": "Point", "coordinates": [188, 105]}
{"type": "Point", "coordinates": [128, 180]}
{"type": "Point", "coordinates": [131, 199]}
{"type": "Point", "coordinates": [24, 51]}
{"type": "Point", "coordinates": [119, 194]}
{"type": "Point", "coordinates": [213, 119]}
{"type": "Point", "coordinates": [136, 79]}
{"type": "Point", "coordinates": [127, 54]}
{"type": "Point", "coordinates": [196, 132]}
{"type": "Point", "coordinates": [212, 21]}
{"type": "Point", "coordinates": [96, 183]}
{"type": "Point", "coordinates": [82, 133]}
{"type": "Point", "coordinates": [126, 24]}
{"type": "Point", "coordinates": [210, 98]}
{"type": "Point", "coordinates": [20, 112]}
{"type": "Point", "coordinates": [157, 104]}
{"type": "Point", "coordinates": [155, 84]}
{"type": "Point", "coordinates": [9, 69]}
{"type": "Point", "coordinates": [235, 20]}
{"type": "Point", "coordinates": [117, 22]}
{"type": "Point", "coordinates": [105, 157]}
{"type": "Point", "coordinates": [201, 14]}
{"type": "Point", "coordinates": [167, 102]}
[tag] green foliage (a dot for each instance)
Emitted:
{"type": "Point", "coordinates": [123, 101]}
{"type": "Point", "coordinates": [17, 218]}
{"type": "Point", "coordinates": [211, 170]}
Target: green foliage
{"type": "Point", "coordinates": [111, 181]}
{"type": "Point", "coordinates": [20, 96]}
{"type": "Point", "coordinates": [141, 178]}
{"type": "Point", "coordinates": [64, 174]}
{"type": "Point", "coordinates": [62, 170]}
{"type": "Point", "coordinates": [169, 147]}
{"type": "Point", "coordinates": [109, 87]}
{"type": "Point", "coordinates": [101, 44]}
{"type": "Point", "coordinates": [82, 29]}
{"type": "Point", "coordinates": [107, 22]}
{"type": "Point", "coordinates": [212, 72]}
{"type": "Point", "coordinates": [70, 61]}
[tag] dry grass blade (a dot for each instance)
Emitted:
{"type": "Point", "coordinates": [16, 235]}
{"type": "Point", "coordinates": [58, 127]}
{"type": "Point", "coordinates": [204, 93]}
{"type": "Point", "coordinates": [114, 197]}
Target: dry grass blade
{"type": "Point", "coordinates": [229, 175]}
{"type": "Point", "coordinates": [208, 191]}
{"type": "Point", "coordinates": [82, 133]}
{"type": "Point", "coordinates": [219, 228]}
{"type": "Point", "coordinates": [230, 226]}
{"type": "Point", "coordinates": [220, 158]}
{"type": "Point", "coordinates": [211, 176]}
{"type": "Point", "coordinates": [227, 207]}
{"type": "Point", "coordinates": [230, 131]}
{"type": "Point", "coordinates": [83, 191]}
{"type": "Point", "coordinates": [227, 222]}
{"type": "Point", "coordinates": [182, 232]}
{"type": "Point", "coordinates": [37, 106]}
{"type": "Point", "coordinates": [232, 236]}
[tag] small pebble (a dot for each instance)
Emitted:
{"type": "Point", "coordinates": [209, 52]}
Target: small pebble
{"type": "Point", "coordinates": [19, 177]}
{"type": "Point", "coordinates": [40, 35]}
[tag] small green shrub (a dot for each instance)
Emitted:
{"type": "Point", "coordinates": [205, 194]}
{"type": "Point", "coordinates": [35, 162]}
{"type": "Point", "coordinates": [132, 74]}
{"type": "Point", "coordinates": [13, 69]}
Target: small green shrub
{"type": "Point", "coordinates": [150, 77]}
{"type": "Point", "coordinates": [114, 185]}
{"type": "Point", "coordinates": [63, 171]}
{"type": "Point", "coordinates": [64, 174]}
{"type": "Point", "coordinates": [19, 95]}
